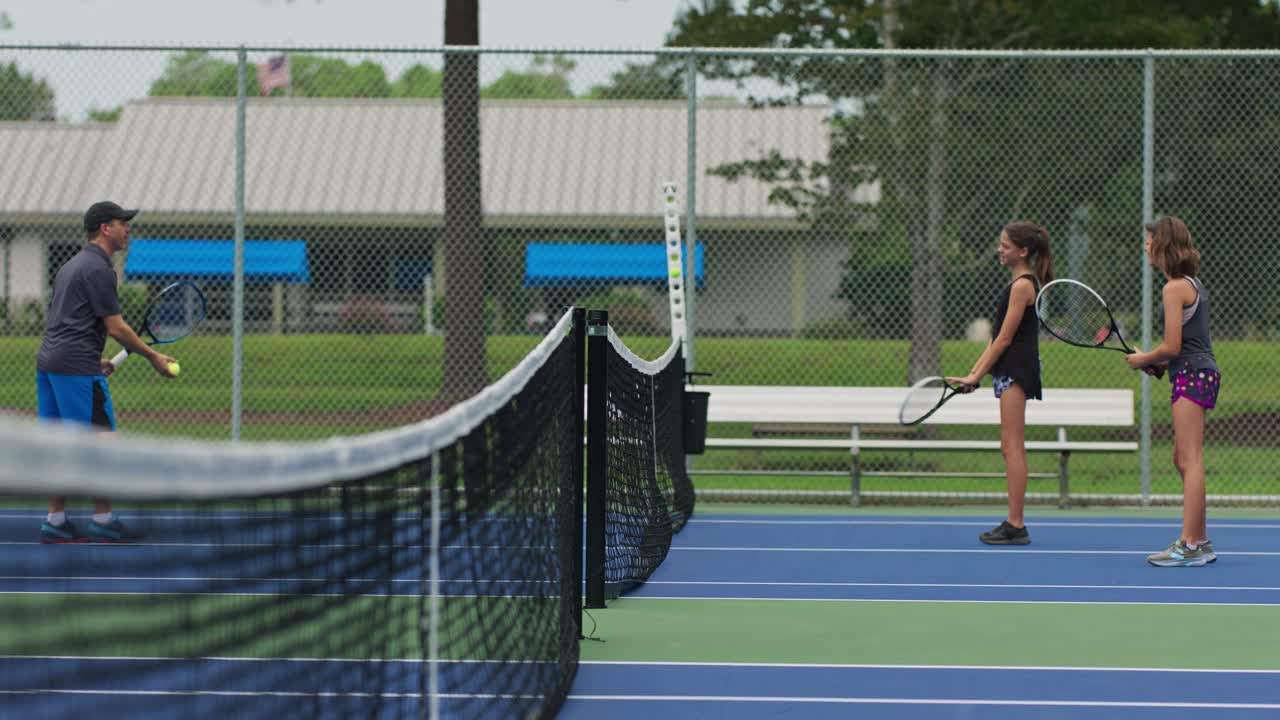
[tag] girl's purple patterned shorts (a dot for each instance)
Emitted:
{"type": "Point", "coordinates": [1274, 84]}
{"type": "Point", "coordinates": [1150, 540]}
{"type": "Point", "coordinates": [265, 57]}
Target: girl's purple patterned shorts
{"type": "Point", "coordinates": [1198, 386]}
{"type": "Point", "coordinates": [1001, 383]}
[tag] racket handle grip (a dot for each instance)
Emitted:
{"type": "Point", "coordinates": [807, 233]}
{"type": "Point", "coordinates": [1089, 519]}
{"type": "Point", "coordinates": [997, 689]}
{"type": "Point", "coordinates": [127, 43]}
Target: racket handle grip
{"type": "Point", "coordinates": [118, 360]}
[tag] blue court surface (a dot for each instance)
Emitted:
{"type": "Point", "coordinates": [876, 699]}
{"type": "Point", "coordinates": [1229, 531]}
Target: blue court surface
{"type": "Point", "coordinates": [751, 616]}
{"type": "Point", "coordinates": [898, 616]}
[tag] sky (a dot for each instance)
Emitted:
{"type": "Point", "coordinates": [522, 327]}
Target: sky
{"type": "Point", "coordinates": [81, 80]}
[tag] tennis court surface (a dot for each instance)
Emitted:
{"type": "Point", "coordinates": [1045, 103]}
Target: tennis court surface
{"type": "Point", "coordinates": [885, 615]}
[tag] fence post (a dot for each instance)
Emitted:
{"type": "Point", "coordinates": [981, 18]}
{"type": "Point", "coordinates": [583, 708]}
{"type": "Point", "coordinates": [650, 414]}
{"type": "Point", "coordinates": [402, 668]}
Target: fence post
{"type": "Point", "coordinates": [237, 280]}
{"type": "Point", "coordinates": [1148, 174]}
{"type": "Point", "coordinates": [691, 232]}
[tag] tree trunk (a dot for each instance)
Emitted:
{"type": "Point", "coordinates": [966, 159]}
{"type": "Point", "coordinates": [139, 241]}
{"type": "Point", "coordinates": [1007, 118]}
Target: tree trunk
{"type": "Point", "coordinates": [923, 218]}
{"type": "Point", "coordinates": [466, 255]}
{"type": "Point", "coordinates": [926, 268]}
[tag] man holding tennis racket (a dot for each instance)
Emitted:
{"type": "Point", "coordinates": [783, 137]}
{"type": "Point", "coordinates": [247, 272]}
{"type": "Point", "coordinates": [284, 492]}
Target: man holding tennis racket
{"type": "Point", "coordinates": [71, 374]}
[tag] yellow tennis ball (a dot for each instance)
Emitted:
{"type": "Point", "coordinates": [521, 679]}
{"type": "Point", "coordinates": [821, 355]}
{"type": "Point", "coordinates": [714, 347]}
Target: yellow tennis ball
{"type": "Point", "coordinates": [174, 367]}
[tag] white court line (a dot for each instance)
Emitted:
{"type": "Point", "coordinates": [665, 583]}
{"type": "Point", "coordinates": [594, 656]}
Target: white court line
{"type": "Point", "coordinates": [410, 661]}
{"type": "Point", "coordinates": [899, 666]}
{"type": "Point", "coordinates": [153, 578]}
{"type": "Point", "coordinates": [1012, 586]}
{"type": "Point", "coordinates": [1147, 603]}
{"type": "Point", "coordinates": [340, 546]}
{"type": "Point", "coordinates": [216, 693]}
{"type": "Point", "coordinates": [268, 693]}
{"type": "Point", "coordinates": [157, 593]}
{"type": "Point", "coordinates": [718, 583]}
{"type": "Point", "coordinates": [938, 551]}
{"type": "Point", "coordinates": [921, 701]}
{"type": "Point", "coordinates": [1172, 523]}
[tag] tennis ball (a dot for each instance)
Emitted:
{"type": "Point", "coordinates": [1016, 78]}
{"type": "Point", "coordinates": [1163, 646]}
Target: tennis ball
{"type": "Point", "coordinates": [174, 367]}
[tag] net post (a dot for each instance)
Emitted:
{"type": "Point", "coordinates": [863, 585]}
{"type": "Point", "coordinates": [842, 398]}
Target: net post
{"type": "Point", "coordinates": [579, 474]}
{"type": "Point", "coordinates": [855, 468]}
{"type": "Point", "coordinates": [1064, 481]}
{"type": "Point", "coordinates": [597, 362]}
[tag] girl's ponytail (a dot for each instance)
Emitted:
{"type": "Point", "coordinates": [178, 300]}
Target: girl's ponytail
{"type": "Point", "coordinates": [1035, 239]}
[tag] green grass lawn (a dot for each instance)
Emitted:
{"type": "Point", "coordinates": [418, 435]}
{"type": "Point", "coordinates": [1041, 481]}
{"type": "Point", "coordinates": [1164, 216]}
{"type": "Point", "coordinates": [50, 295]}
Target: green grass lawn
{"type": "Point", "coordinates": [322, 373]}
{"type": "Point", "coordinates": [302, 387]}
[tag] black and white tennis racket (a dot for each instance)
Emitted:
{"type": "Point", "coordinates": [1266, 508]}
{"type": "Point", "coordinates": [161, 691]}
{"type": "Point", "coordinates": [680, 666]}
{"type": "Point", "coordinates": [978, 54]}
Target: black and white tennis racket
{"type": "Point", "coordinates": [925, 397]}
{"type": "Point", "coordinates": [172, 315]}
{"type": "Point", "coordinates": [1072, 312]}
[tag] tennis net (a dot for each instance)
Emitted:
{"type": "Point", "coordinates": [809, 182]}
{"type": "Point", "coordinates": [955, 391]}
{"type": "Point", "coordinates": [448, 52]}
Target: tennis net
{"type": "Point", "coordinates": [425, 571]}
{"type": "Point", "coordinates": [648, 494]}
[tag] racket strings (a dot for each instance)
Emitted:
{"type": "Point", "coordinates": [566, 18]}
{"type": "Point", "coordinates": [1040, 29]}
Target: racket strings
{"type": "Point", "coordinates": [176, 312]}
{"type": "Point", "coordinates": [921, 400]}
{"type": "Point", "coordinates": [1076, 315]}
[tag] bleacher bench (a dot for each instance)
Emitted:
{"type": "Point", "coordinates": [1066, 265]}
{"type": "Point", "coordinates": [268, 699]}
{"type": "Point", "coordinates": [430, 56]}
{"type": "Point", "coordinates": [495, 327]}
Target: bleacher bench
{"type": "Point", "coordinates": [800, 410]}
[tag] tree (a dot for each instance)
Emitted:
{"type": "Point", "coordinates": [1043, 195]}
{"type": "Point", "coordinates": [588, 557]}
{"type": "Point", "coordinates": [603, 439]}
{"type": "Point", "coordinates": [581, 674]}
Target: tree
{"type": "Point", "coordinates": [418, 81]}
{"type": "Point", "coordinates": [196, 73]}
{"type": "Point", "coordinates": [546, 79]}
{"type": "Point", "coordinates": [312, 76]}
{"type": "Point", "coordinates": [108, 115]}
{"type": "Point", "coordinates": [662, 79]}
{"type": "Point", "coordinates": [956, 144]}
{"type": "Point", "coordinates": [23, 96]}
{"type": "Point", "coordinates": [465, 245]}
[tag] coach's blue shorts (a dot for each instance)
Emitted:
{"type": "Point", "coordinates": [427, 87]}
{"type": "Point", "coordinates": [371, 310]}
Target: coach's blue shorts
{"type": "Point", "coordinates": [82, 399]}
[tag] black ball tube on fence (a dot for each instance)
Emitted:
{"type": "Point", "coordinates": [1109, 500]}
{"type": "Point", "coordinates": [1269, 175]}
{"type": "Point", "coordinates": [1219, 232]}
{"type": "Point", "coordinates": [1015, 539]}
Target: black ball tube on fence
{"type": "Point", "coordinates": [597, 362]}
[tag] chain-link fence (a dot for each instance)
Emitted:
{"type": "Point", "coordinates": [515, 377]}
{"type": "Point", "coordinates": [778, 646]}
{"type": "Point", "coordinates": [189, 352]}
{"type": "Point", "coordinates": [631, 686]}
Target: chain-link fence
{"type": "Point", "coordinates": [406, 239]}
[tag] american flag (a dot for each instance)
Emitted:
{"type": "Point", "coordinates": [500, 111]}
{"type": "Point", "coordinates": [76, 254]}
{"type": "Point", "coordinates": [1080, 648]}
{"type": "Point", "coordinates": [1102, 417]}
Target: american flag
{"type": "Point", "coordinates": [273, 73]}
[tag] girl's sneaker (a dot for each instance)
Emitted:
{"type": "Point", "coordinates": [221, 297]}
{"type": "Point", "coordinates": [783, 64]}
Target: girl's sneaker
{"type": "Point", "coordinates": [112, 532]}
{"type": "Point", "coordinates": [58, 534]}
{"type": "Point", "coordinates": [1207, 547]}
{"type": "Point", "coordinates": [1180, 555]}
{"type": "Point", "coordinates": [1006, 534]}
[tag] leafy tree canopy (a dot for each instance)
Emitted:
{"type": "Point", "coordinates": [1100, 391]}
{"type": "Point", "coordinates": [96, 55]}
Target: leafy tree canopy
{"type": "Point", "coordinates": [546, 79]}
{"type": "Point", "coordinates": [23, 96]}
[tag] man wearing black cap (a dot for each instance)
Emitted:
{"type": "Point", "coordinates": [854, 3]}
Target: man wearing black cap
{"type": "Point", "coordinates": [71, 374]}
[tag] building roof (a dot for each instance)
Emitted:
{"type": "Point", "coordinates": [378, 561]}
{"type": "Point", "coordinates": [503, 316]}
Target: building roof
{"type": "Point", "coordinates": [371, 160]}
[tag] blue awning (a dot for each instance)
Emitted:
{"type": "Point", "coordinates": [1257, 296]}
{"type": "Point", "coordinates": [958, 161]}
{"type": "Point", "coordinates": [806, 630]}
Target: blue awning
{"type": "Point", "coordinates": [569, 264]}
{"type": "Point", "coordinates": [265, 261]}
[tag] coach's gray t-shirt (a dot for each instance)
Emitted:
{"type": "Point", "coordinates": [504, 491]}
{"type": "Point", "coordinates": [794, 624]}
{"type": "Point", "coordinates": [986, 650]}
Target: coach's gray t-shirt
{"type": "Point", "coordinates": [84, 292]}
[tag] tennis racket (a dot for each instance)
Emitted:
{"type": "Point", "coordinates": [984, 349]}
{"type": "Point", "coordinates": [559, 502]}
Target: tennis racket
{"type": "Point", "coordinates": [1072, 312]}
{"type": "Point", "coordinates": [925, 397]}
{"type": "Point", "coordinates": [173, 313]}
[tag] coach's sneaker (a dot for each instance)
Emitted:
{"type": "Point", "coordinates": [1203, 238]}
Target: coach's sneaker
{"type": "Point", "coordinates": [64, 533]}
{"type": "Point", "coordinates": [1006, 534]}
{"type": "Point", "coordinates": [1179, 555]}
{"type": "Point", "coordinates": [112, 532]}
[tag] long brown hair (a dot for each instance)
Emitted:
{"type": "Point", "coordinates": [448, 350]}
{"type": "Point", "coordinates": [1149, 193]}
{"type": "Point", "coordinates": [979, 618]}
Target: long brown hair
{"type": "Point", "coordinates": [1035, 240]}
{"type": "Point", "coordinates": [1172, 248]}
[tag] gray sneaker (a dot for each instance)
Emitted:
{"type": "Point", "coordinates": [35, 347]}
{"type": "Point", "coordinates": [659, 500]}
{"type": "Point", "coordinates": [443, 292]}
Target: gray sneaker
{"type": "Point", "coordinates": [1207, 547]}
{"type": "Point", "coordinates": [1179, 555]}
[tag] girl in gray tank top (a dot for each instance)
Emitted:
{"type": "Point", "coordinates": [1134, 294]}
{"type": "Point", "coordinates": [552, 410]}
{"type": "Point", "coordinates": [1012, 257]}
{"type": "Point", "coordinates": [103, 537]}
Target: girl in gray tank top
{"type": "Point", "coordinates": [1194, 374]}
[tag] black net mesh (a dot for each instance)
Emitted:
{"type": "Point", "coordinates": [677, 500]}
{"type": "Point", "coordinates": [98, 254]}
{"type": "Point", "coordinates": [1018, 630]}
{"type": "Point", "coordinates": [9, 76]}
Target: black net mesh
{"type": "Point", "coordinates": [649, 493]}
{"type": "Point", "coordinates": [440, 584]}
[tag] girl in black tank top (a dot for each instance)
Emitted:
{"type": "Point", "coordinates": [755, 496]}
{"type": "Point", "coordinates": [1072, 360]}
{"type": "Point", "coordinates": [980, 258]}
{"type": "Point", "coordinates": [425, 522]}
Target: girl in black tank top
{"type": "Point", "coordinates": [1013, 359]}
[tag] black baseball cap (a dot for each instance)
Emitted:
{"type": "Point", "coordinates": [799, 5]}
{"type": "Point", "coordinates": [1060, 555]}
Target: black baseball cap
{"type": "Point", "coordinates": [101, 213]}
